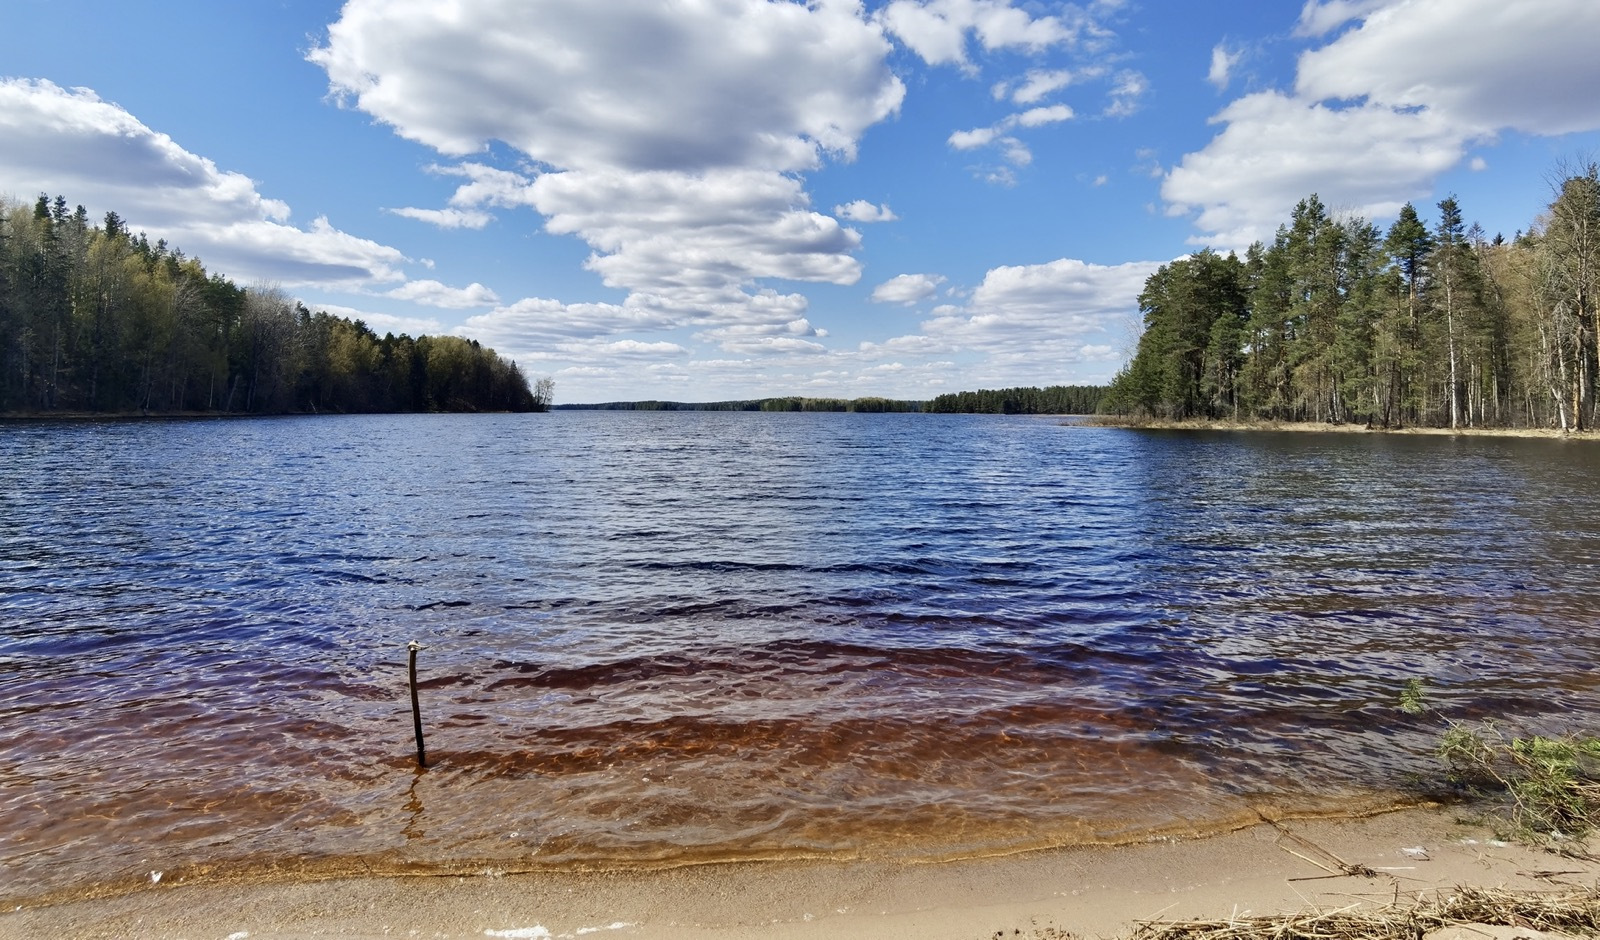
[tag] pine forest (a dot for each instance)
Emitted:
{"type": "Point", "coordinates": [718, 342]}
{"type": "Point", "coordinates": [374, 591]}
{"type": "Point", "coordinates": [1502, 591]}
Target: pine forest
{"type": "Point", "coordinates": [94, 319]}
{"type": "Point", "coordinates": [1429, 323]}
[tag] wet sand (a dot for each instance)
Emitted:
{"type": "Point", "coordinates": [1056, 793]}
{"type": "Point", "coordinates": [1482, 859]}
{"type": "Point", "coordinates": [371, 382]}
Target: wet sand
{"type": "Point", "coordinates": [1086, 892]}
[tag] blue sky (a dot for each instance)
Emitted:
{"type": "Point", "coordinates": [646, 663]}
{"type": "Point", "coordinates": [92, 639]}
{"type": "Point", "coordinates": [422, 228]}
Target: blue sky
{"type": "Point", "coordinates": [710, 199]}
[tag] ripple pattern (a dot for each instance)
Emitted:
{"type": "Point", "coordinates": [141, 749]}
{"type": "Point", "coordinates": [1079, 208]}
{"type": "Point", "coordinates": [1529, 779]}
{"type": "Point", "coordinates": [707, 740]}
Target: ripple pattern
{"type": "Point", "coordinates": [669, 638]}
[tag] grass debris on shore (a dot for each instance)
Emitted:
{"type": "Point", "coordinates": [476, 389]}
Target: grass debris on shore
{"type": "Point", "coordinates": [1570, 912]}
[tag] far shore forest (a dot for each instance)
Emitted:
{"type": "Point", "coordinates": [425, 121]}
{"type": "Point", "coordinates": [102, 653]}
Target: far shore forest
{"type": "Point", "coordinates": [1427, 324]}
{"type": "Point", "coordinates": [95, 319]}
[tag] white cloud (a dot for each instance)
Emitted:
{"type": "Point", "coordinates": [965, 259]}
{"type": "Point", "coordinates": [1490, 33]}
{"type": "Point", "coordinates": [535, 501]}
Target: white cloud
{"type": "Point", "coordinates": [447, 218]}
{"type": "Point", "coordinates": [1065, 288]}
{"type": "Point", "coordinates": [1127, 93]}
{"type": "Point", "coordinates": [864, 211]}
{"type": "Point", "coordinates": [626, 349]}
{"type": "Point", "coordinates": [530, 324]}
{"type": "Point", "coordinates": [766, 338]}
{"type": "Point", "coordinates": [690, 87]}
{"type": "Point", "coordinates": [1489, 65]}
{"type": "Point", "coordinates": [1038, 117]}
{"type": "Point", "coordinates": [1222, 62]}
{"type": "Point", "coordinates": [1039, 83]}
{"type": "Point", "coordinates": [774, 346]}
{"type": "Point", "coordinates": [1000, 176]}
{"type": "Point", "coordinates": [907, 289]}
{"type": "Point", "coordinates": [1275, 150]}
{"type": "Point", "coordinates": [1032, 322]}
{"type": "Point", "coordinates": [677, 163]}
{"type": "Point", "coordinates": [435, 294]}
{"type": "Point", "coordinates": [973, 139]}
{"type": "Point", "coordinates": [1015, 151]}
{"type": "Point", "coordinates": [1372, 123]}
{"type": "Point", "coordinates": [486, 185]}
{"type": "Point", "coordinates": [1320, 17]}
{"type": "Point", "coordinates": [697, 242]}
{"type": "Point", "coordinates": [69, 141]}
{"type": "Point", "coordinates": [382, 322]}
{"type": "Point", "coordinates": [937, 30]}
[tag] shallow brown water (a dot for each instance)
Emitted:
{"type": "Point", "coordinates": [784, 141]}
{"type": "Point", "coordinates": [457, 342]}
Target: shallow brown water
{"type": "Point", "coordinates": [660, 639]}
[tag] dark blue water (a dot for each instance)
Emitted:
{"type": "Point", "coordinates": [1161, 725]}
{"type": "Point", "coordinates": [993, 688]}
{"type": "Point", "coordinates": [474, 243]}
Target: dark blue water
{"type": "Point", "coordinates": [663, 638]}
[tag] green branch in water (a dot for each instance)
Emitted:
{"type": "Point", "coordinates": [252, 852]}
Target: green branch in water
{"type": "Point", "coordinates": [1551, 783]}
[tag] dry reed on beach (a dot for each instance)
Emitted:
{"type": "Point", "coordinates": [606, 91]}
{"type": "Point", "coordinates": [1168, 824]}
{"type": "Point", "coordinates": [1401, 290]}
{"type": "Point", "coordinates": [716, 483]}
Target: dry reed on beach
{"type": "Point", "coordinates": [1575, 913]}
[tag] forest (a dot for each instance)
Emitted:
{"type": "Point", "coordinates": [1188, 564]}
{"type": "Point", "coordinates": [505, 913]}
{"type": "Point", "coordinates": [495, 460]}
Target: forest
{"type": "Point", "coordinates": [1057, 399]}
{"type": "Point", "coordinates": [1425, 324]}
{"type": "Point", "coordinates": [95, 319]}
{"type": "Point", "coordinates": [1054, 400]}
{"type": "Point", "coordinates": [787, 403]}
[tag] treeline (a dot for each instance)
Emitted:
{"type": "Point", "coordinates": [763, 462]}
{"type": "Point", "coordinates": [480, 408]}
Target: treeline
{"type": "Point", "coordinates": [1054, 400]}
{"type": "Point", "coordinates": [865, 405]}
{"type": "Point", "coordinates": [96, 319]}
{"type": "Point", "coordinates": [1422, 324]}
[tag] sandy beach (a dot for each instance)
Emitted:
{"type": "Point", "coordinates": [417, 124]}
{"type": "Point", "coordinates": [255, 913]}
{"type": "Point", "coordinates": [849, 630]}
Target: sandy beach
{"type": "Point", "coordinates": [1087, 891]}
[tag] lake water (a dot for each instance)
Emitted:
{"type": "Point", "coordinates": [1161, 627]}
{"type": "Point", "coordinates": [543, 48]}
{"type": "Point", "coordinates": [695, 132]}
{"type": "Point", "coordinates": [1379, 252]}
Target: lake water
{"type": "Point", "coordinates": [668, 638]}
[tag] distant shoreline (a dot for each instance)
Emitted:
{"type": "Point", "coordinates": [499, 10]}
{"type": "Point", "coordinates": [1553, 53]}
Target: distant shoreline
{"type": "Point", "coordinates": [1155, 424]}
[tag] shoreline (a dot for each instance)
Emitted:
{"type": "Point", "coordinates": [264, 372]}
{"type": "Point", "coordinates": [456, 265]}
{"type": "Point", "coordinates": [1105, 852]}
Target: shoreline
{"type": "Point", "coordinates": [1087, 891]}
{"type": "Point", "coordinates": [1315, 427]}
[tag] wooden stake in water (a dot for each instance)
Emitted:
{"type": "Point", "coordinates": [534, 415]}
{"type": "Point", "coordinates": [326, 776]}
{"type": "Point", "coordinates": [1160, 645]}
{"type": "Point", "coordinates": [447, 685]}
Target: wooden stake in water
{"type": "Point", "coordinates": [416, 708]}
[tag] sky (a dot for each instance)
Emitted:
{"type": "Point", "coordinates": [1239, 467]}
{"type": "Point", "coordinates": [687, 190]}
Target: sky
{"type": "Point", "coordinates": [702, 200]}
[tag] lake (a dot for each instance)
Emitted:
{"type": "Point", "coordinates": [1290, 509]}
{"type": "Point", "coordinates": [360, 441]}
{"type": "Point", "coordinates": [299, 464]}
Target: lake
{"type": "Point", "coordinates": [667, 638]}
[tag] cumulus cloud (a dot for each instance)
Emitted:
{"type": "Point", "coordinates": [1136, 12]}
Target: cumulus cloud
{"type": "Point", "coordinates": [435, 294]}
{"type": "Point", "coordinates": [907, 289]}
{"type": "Point", "coordinates": [1127, 93]}
{"type": "Point", "coordinates": [1038, 117]}
{"type": "Point", "coordinates": [938, 30]}
{"type": "Point", "coordinates": [796, 336]}
{"type": "Point", "coordinates": [1014, 150]}
{"type": "Point", "coordinates": [486, 186]}
{"type": "Point", "coordinates": [533, 322]}
{"type": "Point", "coordinates": [1276, 149]}
{"type": "Point", "coordinates": [71, 142]}
{"type": "Point", "coordinates": [1036, 85]}
{"type": "Point", "coordinates": [1528, 67]}
{"type": "Point", "coordinates": [1371, 123]}
{"type": "Point", "coordinates": [1222, 62]}
{"type": "Point", "coordinates": [624, 349]}
{"type": "Point", "coordinates": [1025, 324]}
{"type": "Point", "coordinates": [973, 139]}
{"type": "Point", "coordinates": [383, 322]}
{"type": "Point", "coordinates": [864, 211]}
{"type": "Point", "coordinates": [1032, 320]}
{"type": "Point", "coordinates": [697, 242]}
{"type": "Point", "coordinates": [688, 87]}
{"type": "Point", "coordinates": [1320, 17]}
{"type": "Point", "coordinates": [447, 218]}
{"type": "Point", "coordinates": [668, 139]}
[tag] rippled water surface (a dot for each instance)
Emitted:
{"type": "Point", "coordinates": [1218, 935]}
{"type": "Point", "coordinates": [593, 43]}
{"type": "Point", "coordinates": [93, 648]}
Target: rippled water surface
{"type": "Point", "coordinates": [660, 638]}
